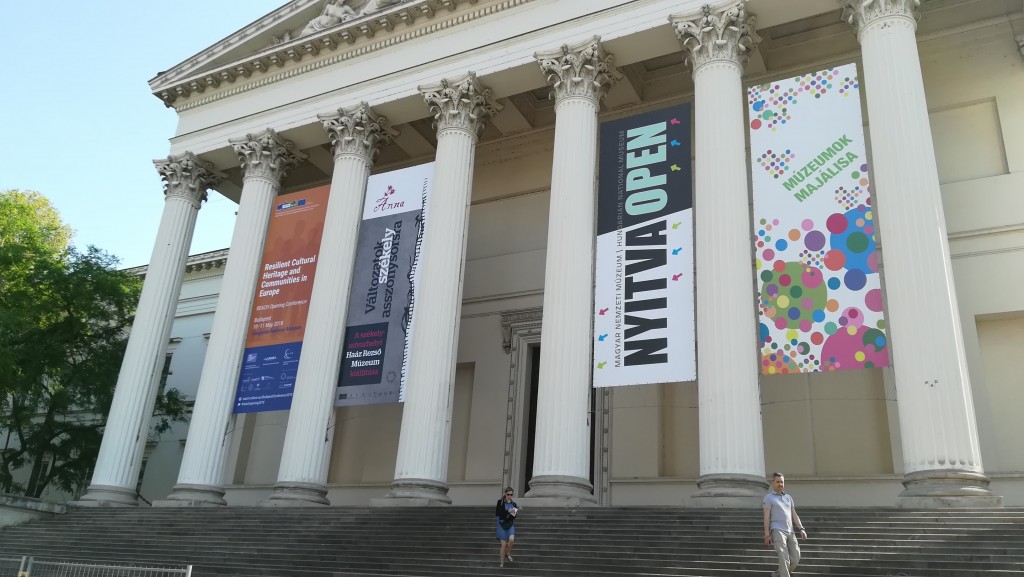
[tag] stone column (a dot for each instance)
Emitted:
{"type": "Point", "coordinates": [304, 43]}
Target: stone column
{"type": "Point", "coordinates": [461, 108]}
{"type": "Point", "coordinates": [186, 179]}
{"type": "Point", "coordinates": [731, 444]}
{"type": "Point", "coordinates": [265, 159]}
{"type": "Point", "coordinates": [357, 134]}
{"type": "Point", "coordinates": [579, 75]}
{"type": "Point", "coordinates": [941, 456]}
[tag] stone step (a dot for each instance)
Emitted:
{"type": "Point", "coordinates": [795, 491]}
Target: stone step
{"type": "Point", "coordinates": [540, 551]}
{"type": "Point", "coordinates": [594, 512]}
{"type": "Point", "coordinates": [678, 518]}
{"type": "Point", "coordinates": [920, 546]}
{"type": "Point", "coordinates": [546, 513]}
{"type": "Point", "coordinates": [541, 565]}
{"type": "Point", "coordinates": [340, 542]}
{"type": "Point", "coordinates": [540, 533]}
{"type": "Point", "coordinates": [534, 557]}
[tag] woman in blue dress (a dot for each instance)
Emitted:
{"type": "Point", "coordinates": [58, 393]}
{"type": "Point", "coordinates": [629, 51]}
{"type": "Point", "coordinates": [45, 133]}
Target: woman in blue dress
{"type": "Point", "coordinates": [505, 512]}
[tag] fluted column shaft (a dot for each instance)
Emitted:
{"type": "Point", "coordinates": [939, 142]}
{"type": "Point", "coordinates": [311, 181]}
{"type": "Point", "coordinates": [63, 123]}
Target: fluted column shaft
{"type": "Point", "coordinates": [941, 454]}
{"type": "Point", "coordinates": [265, 160]}
{"type": "Point", "coordinates": [731, 441]}
{"type": "Point", "coordinates": [563, 439]}
{"type": "Point", "coordinates": [357, 134]}
{"type": "Point", "coordinates": [461, 108]}
{"type": "Point", "coordinates": [120, 457]}
{"type": "Point", "coordinates": [579, 75]}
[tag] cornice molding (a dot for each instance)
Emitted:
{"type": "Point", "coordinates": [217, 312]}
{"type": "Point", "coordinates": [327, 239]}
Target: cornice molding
{"type": "Point", "coordinates": [528, 319]}
{"type": "Point", "coordinates": [185, 69]}
{"type": "Point", "coordinates": [207, 260]}
{"type": "Point", "coordinates": [319, 50]}
{"type": "Point", "coordinates": [215, 259]}
{"type": "Point", "coordinates": [206, 270]}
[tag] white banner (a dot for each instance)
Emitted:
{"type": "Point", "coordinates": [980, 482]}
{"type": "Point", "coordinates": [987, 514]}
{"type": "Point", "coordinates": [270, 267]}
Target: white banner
{"type": "Point", "coordinates": [643, 295]}
{"type": "Point", "coordinates": [383, 285]}
{"type": "Point", "coordinates": [820, 297]}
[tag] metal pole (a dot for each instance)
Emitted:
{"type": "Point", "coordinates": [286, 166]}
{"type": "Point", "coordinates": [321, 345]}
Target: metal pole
{"type": "Point", "coordinates": [26, 567]}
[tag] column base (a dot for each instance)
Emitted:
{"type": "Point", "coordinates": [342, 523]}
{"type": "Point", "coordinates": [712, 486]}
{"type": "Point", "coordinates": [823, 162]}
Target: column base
{"type": "Point", "coordinates": [107, 496]}
{"type": "Point", "coordinates": [186, 495]}
{"type": "Point", "coordinates": [559, 491]}
{"type": "Point", "coordinates": [414, 493]}
{"type": "Point", "coordinates": [724, 490]}
{"type": "Point", "coordinates": [943, 489]}
{"type": "Point", "coordinates": [293, 494]}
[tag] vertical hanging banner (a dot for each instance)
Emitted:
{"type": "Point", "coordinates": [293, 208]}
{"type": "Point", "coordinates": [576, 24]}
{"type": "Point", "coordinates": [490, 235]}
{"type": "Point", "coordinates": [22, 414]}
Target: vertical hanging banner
{"type": "Point", "coordinates": [278, 319]}
{"type": "Point", "coordinates": [383, 283]}
{"type": "Point", "coordinates": [643, 295]}
{"type": "Point", "coordinates": [820, 297]}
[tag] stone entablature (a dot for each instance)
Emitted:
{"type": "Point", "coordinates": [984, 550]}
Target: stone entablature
{"type": "Point", "coordinates": [496, 39]}
{"type": "Point", "coordinates": [215, 259]}
{"type": "Point", "coordinates": [377, 30]}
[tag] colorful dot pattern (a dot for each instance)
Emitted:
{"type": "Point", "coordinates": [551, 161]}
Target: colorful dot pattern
{"type": "Point", "coordinates": [804, 327]}
{"type": "Point", "coordinates": [813, 258]}
{"type": "Point", "coordinates": [769, 103]}
{"type": "Point", "coordinates": [819, 298]}
{"type": "Point", "coordinates": [848, 198]}
{"type": "Point", "coordinates": [769, 106]}
{"type": "Point", "coordinates": [818, 84]}
{"type": "Point", "coordinates": [777, 163]}
{"type": "Point", "coordinates": [848, 86]}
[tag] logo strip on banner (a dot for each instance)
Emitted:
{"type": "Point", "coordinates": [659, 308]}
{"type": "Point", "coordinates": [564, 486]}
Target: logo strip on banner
{"type": "Point", "coordinates": [820, 298]}
{"type": "Point", "coordinates": [278, 318]}
{"type": "Point", "coordinates": [383, 281]}
{"type": "Point", "coordinates": [643, 295]}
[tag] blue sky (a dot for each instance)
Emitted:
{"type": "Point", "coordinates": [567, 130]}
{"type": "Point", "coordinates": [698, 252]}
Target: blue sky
{"type": "Point", "coordinates": [79, 124]}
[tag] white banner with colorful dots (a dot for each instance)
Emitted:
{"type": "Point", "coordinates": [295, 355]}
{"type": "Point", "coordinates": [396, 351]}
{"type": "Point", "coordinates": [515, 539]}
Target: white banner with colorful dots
{"type": "Point", "coordinates": [820, 297]}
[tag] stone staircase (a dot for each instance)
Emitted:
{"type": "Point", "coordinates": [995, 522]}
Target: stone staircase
{"type": "Point", "coordinates": [459, 541]}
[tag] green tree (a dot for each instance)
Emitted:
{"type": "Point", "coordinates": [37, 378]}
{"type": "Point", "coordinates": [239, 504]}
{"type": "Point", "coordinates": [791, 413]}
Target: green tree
{"type": "Point", "coordinates": [64, 320]}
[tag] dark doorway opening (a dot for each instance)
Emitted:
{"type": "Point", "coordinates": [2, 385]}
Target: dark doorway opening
{"type": "Point", "coordinates": [531, 416]}
{"type": "Point", "coordinates": [531, 421]}
{"type": "Point", "coordinates": [592, 422]}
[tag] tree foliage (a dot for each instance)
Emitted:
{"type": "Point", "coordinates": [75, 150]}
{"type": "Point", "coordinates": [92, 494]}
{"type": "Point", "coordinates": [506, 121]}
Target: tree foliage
{"type": "Point", "coordinates": [64, 319]}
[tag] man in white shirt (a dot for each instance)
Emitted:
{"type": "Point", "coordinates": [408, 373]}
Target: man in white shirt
{"type": "Point", "coordinates": [781, 526]}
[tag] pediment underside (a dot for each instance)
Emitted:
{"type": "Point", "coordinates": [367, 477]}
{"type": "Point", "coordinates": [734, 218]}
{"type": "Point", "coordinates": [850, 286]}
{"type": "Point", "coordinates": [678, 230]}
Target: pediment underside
{"type": "Point", "coordinates": [297, 30]}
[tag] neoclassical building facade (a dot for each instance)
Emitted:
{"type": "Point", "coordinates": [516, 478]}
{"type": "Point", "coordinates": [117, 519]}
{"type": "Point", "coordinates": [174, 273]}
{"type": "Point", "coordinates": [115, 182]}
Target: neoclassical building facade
{"type": "Point", "coordinates": [505, 97]}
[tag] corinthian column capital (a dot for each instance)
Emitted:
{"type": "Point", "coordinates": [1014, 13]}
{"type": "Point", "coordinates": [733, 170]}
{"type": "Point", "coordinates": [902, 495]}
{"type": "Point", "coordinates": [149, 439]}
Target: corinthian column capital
{"type": "Point", "coordinates": [266, 155]}
{"type": "Point", "coordinates": [357, 131]}
{"type": "Point", "coordinates": [581, 70]}
{"type": "Point", "coordinates": [461, 103]}
{"type": "Point", "coordinates": [187, 177]}
{"type": "Point", "coordinates": [862, 14]}
{"type": "Point", "coordinates": [717, 35]}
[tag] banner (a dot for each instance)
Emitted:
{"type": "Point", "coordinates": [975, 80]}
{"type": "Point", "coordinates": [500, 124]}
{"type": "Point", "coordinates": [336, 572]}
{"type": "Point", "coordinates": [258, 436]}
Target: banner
{"type": "Point", "coordinates": [278, 319]}
{"type": "Point", "coordinates": [380, 309]}
{"type": "Point", "coordinates": [820, 296]}
{"type": "Point", "coordinates": [643, 296]}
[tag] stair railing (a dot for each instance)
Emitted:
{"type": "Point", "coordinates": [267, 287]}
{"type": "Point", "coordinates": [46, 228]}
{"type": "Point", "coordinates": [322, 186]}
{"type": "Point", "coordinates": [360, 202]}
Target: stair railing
{"type": "Point", "coordinates": [30, 567]}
